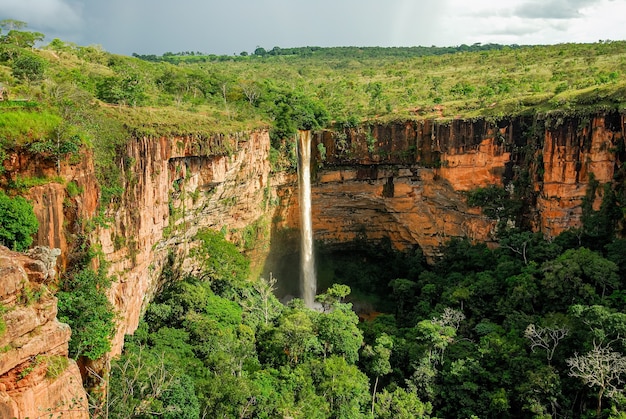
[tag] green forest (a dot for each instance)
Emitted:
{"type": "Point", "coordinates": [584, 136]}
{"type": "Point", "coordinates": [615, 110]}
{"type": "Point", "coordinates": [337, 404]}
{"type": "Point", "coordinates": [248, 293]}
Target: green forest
{"type": "Point", "coordinates": [533, 328]}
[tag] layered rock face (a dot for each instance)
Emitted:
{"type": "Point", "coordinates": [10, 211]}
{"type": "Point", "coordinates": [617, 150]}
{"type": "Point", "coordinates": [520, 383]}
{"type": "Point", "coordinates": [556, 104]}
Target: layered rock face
{"type": "Point", "coordinates": [172, 188]}
{"type": "Point", "coordinates": [37, 379]}
{"type": "Point", "coordinates": [407, 181]}
{"type": "Point", "coordinates": [572, 153]}
{"type": "Point", "coordinates": [175, 187]}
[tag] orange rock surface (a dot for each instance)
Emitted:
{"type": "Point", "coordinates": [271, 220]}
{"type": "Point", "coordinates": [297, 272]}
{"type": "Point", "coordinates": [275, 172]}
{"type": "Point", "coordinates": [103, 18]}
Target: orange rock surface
{"type": "Point", "coordinates": [35, 343]}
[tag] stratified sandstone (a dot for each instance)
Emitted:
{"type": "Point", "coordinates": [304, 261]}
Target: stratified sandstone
{"type": "Point", "coordinates": [176, 187]}
{"type": "Point", "coordinates": [407, 181]}
{"type": "Point", "coordinates": [36, 377]}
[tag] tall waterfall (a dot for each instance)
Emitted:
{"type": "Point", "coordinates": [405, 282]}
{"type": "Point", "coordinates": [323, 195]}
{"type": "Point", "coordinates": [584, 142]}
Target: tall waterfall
{"type": "Point", "coordinates": [308, 280]}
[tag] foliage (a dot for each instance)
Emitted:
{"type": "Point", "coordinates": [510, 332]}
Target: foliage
{"type": "Point", "coordinates": [17, 222]}
{"type": "Point", "coordinates": [221, 263]}
{"type": "Point", "coordinates": [28, 67]}
{"type": "Point", "coordinates": [22, 127]}
{"type": "Point", "coordinates": [83, 305]}
{"type": "Point", "coordinates": [169, 395]}
{"type": "Point", "coordinates": [481, 332]}
{"type": "Point", "coordinates": [55, 365]}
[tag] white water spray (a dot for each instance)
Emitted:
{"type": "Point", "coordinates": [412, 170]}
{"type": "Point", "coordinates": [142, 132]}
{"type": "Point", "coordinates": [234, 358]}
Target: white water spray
{"type": "Point", "coordinates": [308, 281]}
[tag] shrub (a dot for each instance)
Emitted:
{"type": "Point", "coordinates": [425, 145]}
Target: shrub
{"type": "Point", "coordinates": [29, 67]}
{"type": "Point", "coordinates": [84, 306]}
{"type": "Point", "coordinates": [56, 365]}
{"type": "Point", "coordinates": [17, 222]}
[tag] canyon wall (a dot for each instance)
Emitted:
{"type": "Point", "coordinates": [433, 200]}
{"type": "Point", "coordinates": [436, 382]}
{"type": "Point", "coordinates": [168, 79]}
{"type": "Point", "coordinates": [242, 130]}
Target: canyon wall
{"type": "Point", "coordinates": [174, 187]}
{"type": "Point", "coordinates": [408, 181]}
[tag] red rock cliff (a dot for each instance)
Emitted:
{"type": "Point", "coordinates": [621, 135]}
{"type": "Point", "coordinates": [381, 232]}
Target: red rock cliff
{"type": "Point", "coordinates": [406, 181]}
{"type": "Point", "coordinates": [175, 187]}
{"type": "Point", "coordinates": [36, 377]}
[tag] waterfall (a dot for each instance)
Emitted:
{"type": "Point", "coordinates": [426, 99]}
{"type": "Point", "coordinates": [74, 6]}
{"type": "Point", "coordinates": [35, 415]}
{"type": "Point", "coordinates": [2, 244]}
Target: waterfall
{"type": "Point", "coordinates": [308, 280]}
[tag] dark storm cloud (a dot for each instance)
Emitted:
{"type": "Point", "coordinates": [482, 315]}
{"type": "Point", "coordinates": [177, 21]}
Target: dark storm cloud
{"type": "Point", "coordinates": [234, 26]}
{"type": "Point", "coordinates": [552, 9]}
{"type": "Point", "coordinates": [227, 27]}
{"type": "Point", "coordinates": [56, 15]}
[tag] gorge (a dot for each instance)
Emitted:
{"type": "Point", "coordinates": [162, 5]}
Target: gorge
{"type": "Point", "coordinates": [403, 181]}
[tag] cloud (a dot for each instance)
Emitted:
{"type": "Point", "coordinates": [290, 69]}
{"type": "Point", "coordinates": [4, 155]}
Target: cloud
{"type": "Point", "coordinates": [552, 9]}
{"type": "Point", "coordinates": [233, 26]}
{"type": "Point", "coordinates": [43, 14]}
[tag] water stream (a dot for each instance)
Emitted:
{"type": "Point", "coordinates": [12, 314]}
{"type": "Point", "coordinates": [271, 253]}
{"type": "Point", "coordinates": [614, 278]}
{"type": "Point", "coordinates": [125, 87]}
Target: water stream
{"type": "Point", "coordinates": [308, 281]}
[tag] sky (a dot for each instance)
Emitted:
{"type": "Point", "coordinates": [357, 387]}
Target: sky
{"type": "Point", "coordinates": [228, 27]}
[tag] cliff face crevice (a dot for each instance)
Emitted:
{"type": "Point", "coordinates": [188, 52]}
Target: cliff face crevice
{"type": "Point", "coordinates": [37, 378]}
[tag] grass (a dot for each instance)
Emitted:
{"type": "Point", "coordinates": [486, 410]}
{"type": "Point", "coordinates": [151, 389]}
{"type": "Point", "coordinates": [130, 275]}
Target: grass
{"type": "Point", "coordinates": [22, 127]}
{"type": "Point", "coordinates": [224, 95]}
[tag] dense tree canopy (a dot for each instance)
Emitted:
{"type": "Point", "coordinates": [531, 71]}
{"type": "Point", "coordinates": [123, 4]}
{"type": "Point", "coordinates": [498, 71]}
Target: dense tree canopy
{"type": "Point", "coordinates": [17, 222]}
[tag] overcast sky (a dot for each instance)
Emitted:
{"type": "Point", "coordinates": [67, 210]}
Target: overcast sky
{"type": "Point", "coordinates": [232, 26]}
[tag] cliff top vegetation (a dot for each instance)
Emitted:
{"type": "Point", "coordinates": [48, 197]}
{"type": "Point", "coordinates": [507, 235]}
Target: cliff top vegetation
{"type": "Point", "coordinates": [190, 93]}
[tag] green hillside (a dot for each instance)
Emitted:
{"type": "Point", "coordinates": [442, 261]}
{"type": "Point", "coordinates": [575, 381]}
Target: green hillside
{"type": "Point", "coordinates": [184, 93]}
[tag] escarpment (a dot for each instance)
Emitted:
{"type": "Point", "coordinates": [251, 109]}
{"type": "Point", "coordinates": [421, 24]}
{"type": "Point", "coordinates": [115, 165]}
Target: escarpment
{"type": "Point", "coordinates": [408, 181]}
{"type": "Point", "coordinates": [175, 187]}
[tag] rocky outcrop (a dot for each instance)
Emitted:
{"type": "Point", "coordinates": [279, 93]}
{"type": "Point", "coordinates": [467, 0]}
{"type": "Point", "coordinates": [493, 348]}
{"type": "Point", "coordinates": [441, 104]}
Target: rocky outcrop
{"type": "Point", "coordinates": [37, 379]}
{"type": "Point", "coordinates": [574, 150]}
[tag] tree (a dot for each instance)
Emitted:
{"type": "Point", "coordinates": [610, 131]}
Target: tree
{"type": "Point", "coordinates": [600, 368]}
{"type": "Point", "coordinates": [260, 303]}
{"type": "Point", "coordinates": [17, 222]}
{"type": "Point", "coordinates": [62, 144]}
{"type": "Point", "coordinates": [295, 335]}
{"type": "Point", "coordinates": [333, 295]}
{"type": "Point", "coordinates": [378, 360]}
{"type": "Point", "coordinates": [17, 37]}
{"type": "Point", "coordinates": [124, 89]}
{"type": "Point", "coordinates": [546, 338]}
{"type": "Point", "coordinates": [84, 306]}
{"type": "Point", "coordinates": [251, 90]}
{"type": "Point", "coordinates": [16, 40]}
{"type": "Point", "coordinates": [578, 276]}
{"type": "Point", "coordinates": [343, 385]}
{"type": "Point", "coordinates": [400, 404]}
{"type": "Point", "coordinates": [338, 333]}
{"type": "Point", "coordinates": [143, 385]}
{"type": "Point", "coordinates": [28, 67]}
{"type": "Point", "coordinates": [436, 334]}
